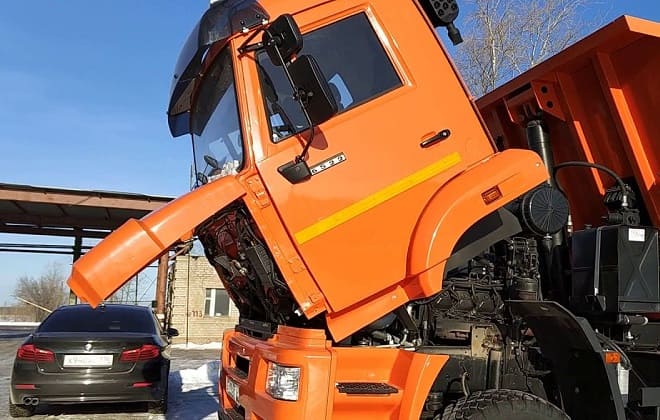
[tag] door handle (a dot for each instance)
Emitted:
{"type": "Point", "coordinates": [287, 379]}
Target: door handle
{"type": "Point", "coordinates": [442, 135]}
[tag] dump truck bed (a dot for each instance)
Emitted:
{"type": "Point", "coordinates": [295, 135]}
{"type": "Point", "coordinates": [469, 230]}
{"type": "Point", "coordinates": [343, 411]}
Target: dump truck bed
{"type": "Point", "coordinates": [601, 97]}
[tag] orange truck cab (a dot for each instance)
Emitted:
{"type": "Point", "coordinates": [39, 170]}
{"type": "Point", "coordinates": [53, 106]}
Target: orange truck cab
{"type": "Point", "coordinates": [387, 260]}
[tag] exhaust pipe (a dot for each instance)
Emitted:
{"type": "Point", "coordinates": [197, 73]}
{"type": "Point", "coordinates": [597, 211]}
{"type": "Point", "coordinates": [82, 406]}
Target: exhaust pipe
{"type": "Point", "coordinates": [30, 401]}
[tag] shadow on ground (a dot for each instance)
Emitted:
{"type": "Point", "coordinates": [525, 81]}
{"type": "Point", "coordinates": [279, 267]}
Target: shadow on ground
{"type": "Point", "coordinates": [194, 400]}
{"type": "Point", "coordinates": [93, 410]}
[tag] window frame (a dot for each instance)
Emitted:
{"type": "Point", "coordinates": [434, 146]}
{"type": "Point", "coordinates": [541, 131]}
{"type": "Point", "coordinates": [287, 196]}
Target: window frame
{"type": "Point", "coordinates": [391, 57]}
{"type": "Point", "coordinates": [212, 300]}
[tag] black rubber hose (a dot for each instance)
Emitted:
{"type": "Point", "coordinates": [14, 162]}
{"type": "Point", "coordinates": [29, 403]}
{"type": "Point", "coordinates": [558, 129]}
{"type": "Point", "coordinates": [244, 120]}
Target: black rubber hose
{"type": "Point", "coordinates": [605, 169]}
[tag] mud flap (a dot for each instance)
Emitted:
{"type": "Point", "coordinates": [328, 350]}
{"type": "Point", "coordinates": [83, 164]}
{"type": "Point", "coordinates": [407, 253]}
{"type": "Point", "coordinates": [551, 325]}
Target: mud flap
{"type": "Point", "coordinates": [588, 386]}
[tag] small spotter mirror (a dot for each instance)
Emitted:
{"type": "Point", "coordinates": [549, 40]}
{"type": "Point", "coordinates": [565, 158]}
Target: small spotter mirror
{"type": "Point", "coordinates": [282, 40]}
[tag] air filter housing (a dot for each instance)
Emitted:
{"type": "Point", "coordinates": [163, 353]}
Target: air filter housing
{"type": "Point", "coordinates": [544, 210]}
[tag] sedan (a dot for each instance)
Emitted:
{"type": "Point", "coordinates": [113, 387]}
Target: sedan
{"type": "Point", "coordinates": [114, 353]}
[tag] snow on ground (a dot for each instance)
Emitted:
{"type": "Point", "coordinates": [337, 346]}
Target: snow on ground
{"type": "Point", "coordinates": [17, 324]}
{"type": "Point", "coordinates": [192, 346]}
{"type": "Point", "coordinates": [193, 392]}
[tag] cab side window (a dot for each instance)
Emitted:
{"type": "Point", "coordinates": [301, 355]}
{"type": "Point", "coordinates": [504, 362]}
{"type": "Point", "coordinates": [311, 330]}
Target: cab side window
{"type": "Point", "coordinates": [350, 56]}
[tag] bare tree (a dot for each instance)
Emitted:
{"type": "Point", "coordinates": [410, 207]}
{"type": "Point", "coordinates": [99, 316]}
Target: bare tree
{"type": "Point", "coordinates": [48, 290]}
{"type": "Point", "coordinates": [125, 294]}
{"type": "Point", "coordinates": [503, 38]}
{"type": "Point", "coordinates": [135, 290]}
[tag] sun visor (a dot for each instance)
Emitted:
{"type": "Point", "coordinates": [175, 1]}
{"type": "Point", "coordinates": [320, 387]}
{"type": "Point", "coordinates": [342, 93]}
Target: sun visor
{"type": "Point", "coordinates": [223, 19]}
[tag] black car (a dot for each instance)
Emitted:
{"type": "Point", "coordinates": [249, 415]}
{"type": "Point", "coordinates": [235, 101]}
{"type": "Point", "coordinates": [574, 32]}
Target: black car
{"type": "Point", "coordinates": [114, 353]}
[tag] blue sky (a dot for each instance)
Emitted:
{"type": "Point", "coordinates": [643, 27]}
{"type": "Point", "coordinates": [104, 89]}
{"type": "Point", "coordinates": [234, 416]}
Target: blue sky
{"type": "Point", "coordinates": [84, 88]}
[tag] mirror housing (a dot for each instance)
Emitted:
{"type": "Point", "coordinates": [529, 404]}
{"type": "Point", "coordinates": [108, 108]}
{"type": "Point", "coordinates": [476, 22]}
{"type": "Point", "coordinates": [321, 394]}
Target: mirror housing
{"type": "Point", "coordinates": [282, 40]}
{"type": "Point", "coordinates": [172, 332]}
{"type": "Point", "coordinates": [443, 13]}
{"type": "Point", "coordinates": [312, 87]}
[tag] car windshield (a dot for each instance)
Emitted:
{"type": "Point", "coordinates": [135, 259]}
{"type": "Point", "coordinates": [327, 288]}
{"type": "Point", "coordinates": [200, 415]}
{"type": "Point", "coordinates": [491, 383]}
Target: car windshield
{"type": "Point", "coordinates": [108, 319]}
{"type": "Point", "coordinates": [216, 132]}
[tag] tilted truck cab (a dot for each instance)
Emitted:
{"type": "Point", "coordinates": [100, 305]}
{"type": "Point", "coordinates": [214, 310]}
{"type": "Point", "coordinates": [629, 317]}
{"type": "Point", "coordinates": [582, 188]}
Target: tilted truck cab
{"type": "Point", "coordinates": [387, 260]}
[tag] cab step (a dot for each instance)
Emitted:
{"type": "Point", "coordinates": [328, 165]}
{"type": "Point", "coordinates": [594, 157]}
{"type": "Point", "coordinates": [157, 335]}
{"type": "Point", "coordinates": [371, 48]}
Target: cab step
{"type": "Point", "coordinates": [366, 388]}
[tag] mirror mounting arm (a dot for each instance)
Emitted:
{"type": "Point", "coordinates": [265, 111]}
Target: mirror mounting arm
{"type": "Point", "coordinates": [299, 95]}
{"type": "Point", "coordinates": [245, 48]}
{"type": "Point", "coordinates": [282, 41]}
{"type": "Point", "coordinates": [249, 48]}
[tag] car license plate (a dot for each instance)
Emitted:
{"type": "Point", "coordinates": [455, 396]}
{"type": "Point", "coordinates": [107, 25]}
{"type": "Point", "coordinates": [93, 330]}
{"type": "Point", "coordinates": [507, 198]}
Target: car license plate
{"type": "Point", "coordinates": [232, 390]}
{"type": "Point", "coordinates": [87, 360]}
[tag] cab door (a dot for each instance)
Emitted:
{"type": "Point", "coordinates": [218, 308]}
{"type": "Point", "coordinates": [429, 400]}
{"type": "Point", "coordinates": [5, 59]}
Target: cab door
{"type": "Point", "coordinates": [405, 126]}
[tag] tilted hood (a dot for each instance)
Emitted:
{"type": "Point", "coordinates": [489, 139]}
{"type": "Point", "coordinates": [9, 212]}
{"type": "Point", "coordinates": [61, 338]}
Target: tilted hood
{"type": "Point", "coordinates": [126, 251]}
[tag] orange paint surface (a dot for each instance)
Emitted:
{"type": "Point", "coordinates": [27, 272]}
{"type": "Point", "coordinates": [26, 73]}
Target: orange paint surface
{"type": "Point", "coordinates": [363, 238]}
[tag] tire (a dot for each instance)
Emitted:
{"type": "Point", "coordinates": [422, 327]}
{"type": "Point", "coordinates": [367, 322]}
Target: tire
{"type": "Point", "coordinates": [17, 410]}
{"type": "Point", "coordinates": [502, 404]}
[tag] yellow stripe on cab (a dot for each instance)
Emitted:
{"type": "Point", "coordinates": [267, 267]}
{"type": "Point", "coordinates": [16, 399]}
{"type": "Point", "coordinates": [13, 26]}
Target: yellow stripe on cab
{"type": "Point", "coordinates": [377, 198]}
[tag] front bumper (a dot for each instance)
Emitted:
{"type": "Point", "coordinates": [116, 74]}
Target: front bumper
{"type": "Point", "coordinates": [335, 382]}
{"type": "Point", "coordinates": [245, 362]}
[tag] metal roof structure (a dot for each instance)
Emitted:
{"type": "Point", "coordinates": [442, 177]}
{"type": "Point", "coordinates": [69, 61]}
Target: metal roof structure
{"type": "Point", "coordinates": [49, 211]}
{"type": "Point", "coordinates": [32, 210]}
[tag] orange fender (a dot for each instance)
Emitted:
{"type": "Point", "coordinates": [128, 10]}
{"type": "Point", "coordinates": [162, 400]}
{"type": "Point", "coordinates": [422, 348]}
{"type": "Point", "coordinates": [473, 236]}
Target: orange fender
{"type": "Point", "coordinates": [458, 205]}
{"type": "Point", "coordinates": [423, 371]}
{"type": "Point", "coordinates": [127, 250]}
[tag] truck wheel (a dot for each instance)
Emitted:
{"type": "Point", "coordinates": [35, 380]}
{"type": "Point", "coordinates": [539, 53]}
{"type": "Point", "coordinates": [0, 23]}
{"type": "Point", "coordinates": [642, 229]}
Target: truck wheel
{"type": "Point", "coordinates": [495, 404]}
{"type": "Point", "coordinates": [17, 410]}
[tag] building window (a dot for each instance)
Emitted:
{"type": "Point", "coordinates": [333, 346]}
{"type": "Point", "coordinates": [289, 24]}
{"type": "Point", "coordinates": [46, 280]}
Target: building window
{"type": "Point", "coordinates": [217, 302]}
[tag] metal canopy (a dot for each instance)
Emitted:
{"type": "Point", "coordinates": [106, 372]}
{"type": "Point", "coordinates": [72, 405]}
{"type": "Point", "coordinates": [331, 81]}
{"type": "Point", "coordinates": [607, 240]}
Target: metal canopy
{"type": "Point", "coordinates": [26, 209]}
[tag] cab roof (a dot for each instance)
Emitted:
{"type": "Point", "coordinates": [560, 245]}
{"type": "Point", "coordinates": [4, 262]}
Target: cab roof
{"type": "Point", "coordinates": [223, 19]}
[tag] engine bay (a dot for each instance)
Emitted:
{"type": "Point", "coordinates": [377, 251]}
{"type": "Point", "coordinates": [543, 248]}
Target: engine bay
{"type": "Point", "coordinates": [237, 250]}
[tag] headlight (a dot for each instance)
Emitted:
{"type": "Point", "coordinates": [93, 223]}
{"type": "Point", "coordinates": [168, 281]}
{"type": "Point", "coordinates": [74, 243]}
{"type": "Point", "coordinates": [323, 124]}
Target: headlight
{"type": "Point", "coordinates": [282, 382]}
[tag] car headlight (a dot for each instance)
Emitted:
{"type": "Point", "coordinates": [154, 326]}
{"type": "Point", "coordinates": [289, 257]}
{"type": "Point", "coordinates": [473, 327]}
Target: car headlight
{"type": "Point", "coordinates": [282, 382]}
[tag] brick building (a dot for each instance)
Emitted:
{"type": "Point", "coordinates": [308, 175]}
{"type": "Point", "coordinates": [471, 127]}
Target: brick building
{"type": "Point", "coordinates": [201, 309]}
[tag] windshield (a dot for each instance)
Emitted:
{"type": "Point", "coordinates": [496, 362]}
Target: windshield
{"type": "Point", "coordinates": [215, 126]}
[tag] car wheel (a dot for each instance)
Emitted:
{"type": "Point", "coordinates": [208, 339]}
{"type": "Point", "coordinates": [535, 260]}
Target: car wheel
{"type": "Point", "coordinates": [502, 404]}
{"type": "Point", "coordinates": [17, 410]}
{"type": "Point", "coordinates": [159, 407]}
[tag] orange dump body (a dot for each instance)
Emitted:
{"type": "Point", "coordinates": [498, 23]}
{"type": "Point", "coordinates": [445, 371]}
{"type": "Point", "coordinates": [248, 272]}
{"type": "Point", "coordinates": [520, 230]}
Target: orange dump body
{"type": "Point", "coordinates": [601, 98]}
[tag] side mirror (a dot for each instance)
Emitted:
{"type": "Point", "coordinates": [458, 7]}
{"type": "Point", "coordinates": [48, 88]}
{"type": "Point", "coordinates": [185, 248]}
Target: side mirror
{"type": "Point", "coordinates": [282, 40]}
{"type": "Point", "coordinates": [313, 89]}
{"type": "Point", "coordinates": [172, 332]}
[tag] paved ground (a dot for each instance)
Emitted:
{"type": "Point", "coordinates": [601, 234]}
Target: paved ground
{"type": "Point", "coordinates": [186, 401]}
